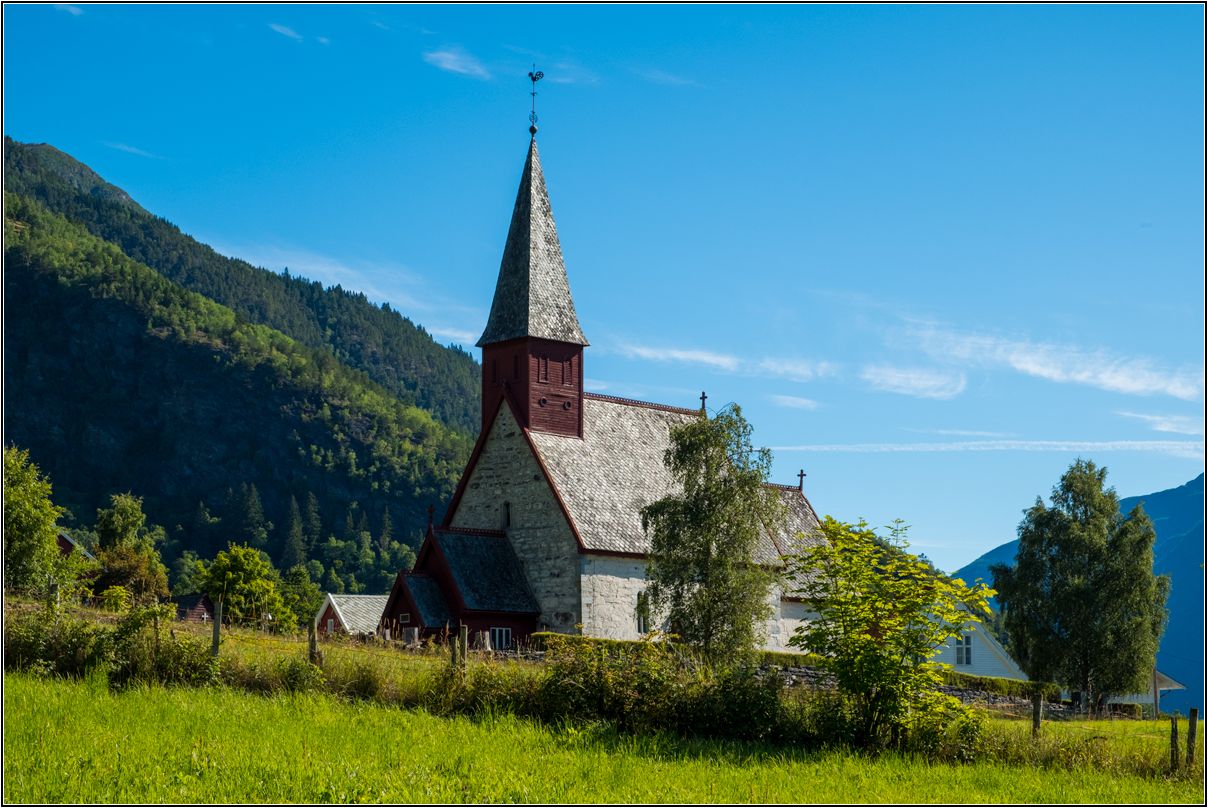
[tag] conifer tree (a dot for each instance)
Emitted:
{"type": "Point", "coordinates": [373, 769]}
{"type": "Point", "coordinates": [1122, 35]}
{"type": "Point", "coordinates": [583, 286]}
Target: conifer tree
{"type": "Point", "coordinates": [387, 534]}
{"type": "Point", "coordinates": [313, 523]}
{"type": "Point", "coordinates": [253, 528]}
{"type": "Point", "coordinates": [294, 552]}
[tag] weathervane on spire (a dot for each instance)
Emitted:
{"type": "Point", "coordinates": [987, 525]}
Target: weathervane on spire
{"type": "Point", "coordinates": [535, 76]}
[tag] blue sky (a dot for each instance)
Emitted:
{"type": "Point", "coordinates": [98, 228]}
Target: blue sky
{"type": "Point", "coordinates": [935, 252]}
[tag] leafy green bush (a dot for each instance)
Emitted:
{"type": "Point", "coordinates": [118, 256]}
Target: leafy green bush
{"type": "Point", "coordinates": [142, 654]}
{"type": "Point", "coordinates": [55, 644]}
{"type": "Point", "coordinates": [1003, 687]}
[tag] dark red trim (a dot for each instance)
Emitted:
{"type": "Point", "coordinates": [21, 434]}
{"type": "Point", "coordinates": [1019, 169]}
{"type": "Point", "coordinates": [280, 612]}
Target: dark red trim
{"type": "Point", "coordinates": [633, 402]}
{"type": "Point", "coordinates": [614, 553]}
{"type": "Point", "coordinates": [473, 531]}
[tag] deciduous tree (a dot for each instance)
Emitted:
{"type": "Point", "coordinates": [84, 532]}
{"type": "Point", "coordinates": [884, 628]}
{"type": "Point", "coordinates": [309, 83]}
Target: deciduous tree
{"type": "Point", "coordinates": [883, 614]}
{"type": "Point", "coordinates": [30, 522]}
{"type": "Point", "coordinates": [1082, 605]}
{"type": "Point", "coordinates": [703, 570]}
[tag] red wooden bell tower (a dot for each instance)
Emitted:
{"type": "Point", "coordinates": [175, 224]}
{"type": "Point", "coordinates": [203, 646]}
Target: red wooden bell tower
{"type": "Point", "coordinates": [532, 348]}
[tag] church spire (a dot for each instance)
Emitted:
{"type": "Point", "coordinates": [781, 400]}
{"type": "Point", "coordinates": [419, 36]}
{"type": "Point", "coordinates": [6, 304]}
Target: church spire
{"type": "Point", "coordinates": [532, 294]}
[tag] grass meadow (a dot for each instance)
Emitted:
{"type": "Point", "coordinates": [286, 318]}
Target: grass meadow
{"type": "Point", "coordinates": [77, 741]}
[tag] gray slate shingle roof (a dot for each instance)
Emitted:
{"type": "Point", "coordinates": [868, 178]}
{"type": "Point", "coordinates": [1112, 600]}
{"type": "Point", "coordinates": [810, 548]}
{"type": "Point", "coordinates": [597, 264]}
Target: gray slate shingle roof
{"type": "Point", "coordinates": [486, 572]}
{"type": "Point", "coordinates": [532, 294]}
{"type": "Point", "coordinates": [617, 468]}
{"type": "Point", "coordinates": [425, 591]}
{"type": "Point", "coordinates": [360, 613]}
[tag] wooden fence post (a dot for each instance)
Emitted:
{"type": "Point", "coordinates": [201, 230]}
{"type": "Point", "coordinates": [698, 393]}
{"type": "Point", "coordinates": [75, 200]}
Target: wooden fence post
{"type": "Point", "coordinates": [1174, 743]}
{"type": "Point", "coordinates": [312, 643]}
{"type": "Point", "coordinates": [217, 628]}
{"type": "Point", "coordinates": [1192, 716]}
{"type": "Point", "coordinates": [463, 644]}
{"type": "Point", "coordinates": [1037, 700]}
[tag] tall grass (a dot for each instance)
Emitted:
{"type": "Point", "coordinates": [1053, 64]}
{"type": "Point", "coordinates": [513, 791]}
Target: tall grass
{"type": "Point", "coordinates": [76, 741]}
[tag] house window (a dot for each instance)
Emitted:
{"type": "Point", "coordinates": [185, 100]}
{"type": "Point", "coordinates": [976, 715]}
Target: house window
{"type": "Point", "coordinates": [543, 369]}
{"type": "Point", "coordinates": [501, 639]}
{"type": "Point", "coordinates": [964, 649]}
{"type": "Point", "coordinates": [568, 372]}
{"type": "Point", "coordinates": [331, 625]}
{"type": "Point", "coordinates": [404, 618]}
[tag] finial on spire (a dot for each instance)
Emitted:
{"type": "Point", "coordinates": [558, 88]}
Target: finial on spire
{"type": "Point", "coordinates": [535, 76]}
{"type": "Point", "coordinates": [702, 402]}
{"type": "Point", "coordinates": [801, 480]}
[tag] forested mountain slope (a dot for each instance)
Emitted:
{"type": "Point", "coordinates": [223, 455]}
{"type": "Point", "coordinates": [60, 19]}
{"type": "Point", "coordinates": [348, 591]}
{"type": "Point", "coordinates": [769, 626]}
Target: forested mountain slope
{"type": "Point", "coordinates": [396, 353]}
{"type": "Point", "coordinates": [118, 379]}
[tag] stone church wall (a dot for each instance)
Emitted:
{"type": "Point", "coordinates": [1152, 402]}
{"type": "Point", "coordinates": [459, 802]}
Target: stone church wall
{"type": "Point", "coordinates": [507, 472]}
{"type": "Point", "coordinates": [610, 586]}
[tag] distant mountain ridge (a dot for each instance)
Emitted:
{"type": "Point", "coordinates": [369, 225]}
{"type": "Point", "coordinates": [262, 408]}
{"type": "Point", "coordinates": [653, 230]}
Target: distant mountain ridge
{"type": "Point", "coordinates": [396, 353]}
{"type": "Point", "coordinates": [1178, 518]}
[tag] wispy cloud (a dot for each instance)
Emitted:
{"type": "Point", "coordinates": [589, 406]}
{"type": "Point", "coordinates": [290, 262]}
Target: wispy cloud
{"type": "Point", "coordinates": [961, 433]}
{"type": "Point", "coordinates": [682, 355]}
{"type": "Point", "coordinates": [1174, 448]}
{"type": "Point", "coordinates": [917, 382]}
{"type": "Point", "coordinates": [663, 77]}
{"type": "Point", "coordinates": [322, 40]}
{"type": "Point", "coordinates": [794, 402]}
{"type": "Point", "coordinates": [1179, 424]}
{"type": "Point", "coordinates": [74, 11]}
{"type": "Point", "coordinates": [285, 31]}
{"type": "Point", "coordinates": [797, 370]}
{"type": "Point", "coordinates": [1061, 363]}
{"type": "Point", "coordinates": [456, 60]}
{"type": "Point", "coordinates": [128, 149]}
{"type": "Point", "coordinates": [458, 335]}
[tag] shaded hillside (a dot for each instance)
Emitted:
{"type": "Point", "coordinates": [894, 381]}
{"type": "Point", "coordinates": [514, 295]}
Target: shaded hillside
{"type": "Point", "coordinates": [396, 353]}
{"type": "Point", "coordinates": [1178, 518]}
{"type": "Point", "coordinates": [116, 378]}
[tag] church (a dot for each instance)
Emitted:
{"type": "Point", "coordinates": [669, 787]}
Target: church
{"type": "Point", "coordinates": [543, 532]}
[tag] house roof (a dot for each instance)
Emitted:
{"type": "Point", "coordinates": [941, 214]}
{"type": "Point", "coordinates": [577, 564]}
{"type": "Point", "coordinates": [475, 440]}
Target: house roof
{"type": "Point", "coordinates": [63, 534]}
{"type": "Point", "coordinates": [605, 478]}
{"type": "Point", "coordinates": [359, 614]}
{"type": "Point", "coordinates": [532, 294]}
{"type": "Point", "coordinates": [486, 572]}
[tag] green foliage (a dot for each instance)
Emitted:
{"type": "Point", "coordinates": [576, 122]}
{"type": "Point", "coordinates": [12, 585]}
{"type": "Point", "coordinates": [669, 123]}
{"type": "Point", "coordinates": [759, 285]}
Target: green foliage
{"type": "Point", "coordinates": [136, 568]}
{"type": "Point", "coordinates": [702, 568]}
{"type": "Point", "coordinates": [164, 369]}
{"type": "Point", "coordinates": [882, 615]}
{"type": "Point", "coordinates": [300, 594]}
{"type": "Point", "coordinates": [145, 652]}
{"type": "Point", "coordinates": [188, 574]}
{"type": "Point", "coordinates": [246, 583]}
{"type": "Point", "coordinates": [123, 524]}
{"type": "Point", "coordinates": [1082, 605]}
{"type": "Point", "coordinates": [116, 599]}
{"type": "Point", "coordinates": [30, 523]}
{"type": "Point", "coordinates": [64, 645]}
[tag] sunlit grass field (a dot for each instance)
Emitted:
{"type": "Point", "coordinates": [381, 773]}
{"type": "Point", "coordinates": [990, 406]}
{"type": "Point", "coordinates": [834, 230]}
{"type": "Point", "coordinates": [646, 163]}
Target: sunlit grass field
{"type": "Point", "coordinates": [75, 741]}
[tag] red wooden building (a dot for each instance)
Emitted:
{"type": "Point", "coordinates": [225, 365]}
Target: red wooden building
{"type": "Point", "coordinates": [463, 576]}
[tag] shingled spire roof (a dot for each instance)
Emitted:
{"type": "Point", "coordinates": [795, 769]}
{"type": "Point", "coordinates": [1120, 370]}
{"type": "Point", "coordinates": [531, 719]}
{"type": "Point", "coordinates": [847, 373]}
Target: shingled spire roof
{"type": "Point", "coordinates": [532, 295]}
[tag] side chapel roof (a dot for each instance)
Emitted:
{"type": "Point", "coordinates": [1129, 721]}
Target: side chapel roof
{"type": "Point", "coordinates": [532, 294]}
{"type": "Point", "coordinates": [486, 572]}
